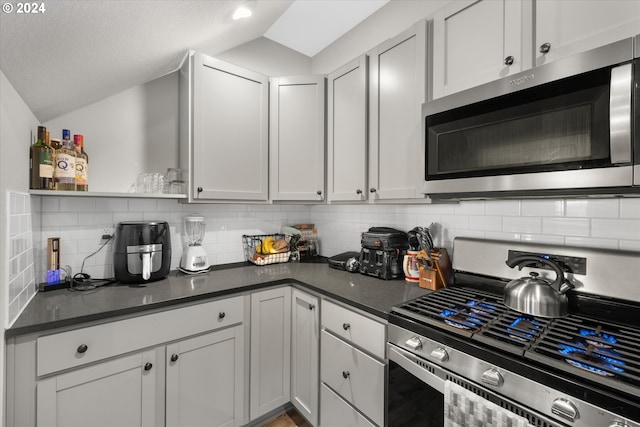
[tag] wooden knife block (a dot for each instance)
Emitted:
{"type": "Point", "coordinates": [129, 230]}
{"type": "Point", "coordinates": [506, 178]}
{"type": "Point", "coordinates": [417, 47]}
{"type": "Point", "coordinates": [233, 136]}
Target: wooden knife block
{"type": "Point", "coordinates": [441, 275]}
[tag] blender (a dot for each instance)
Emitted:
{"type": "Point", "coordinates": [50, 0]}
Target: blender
{"type": "Point", "coordinates": [194, 257]}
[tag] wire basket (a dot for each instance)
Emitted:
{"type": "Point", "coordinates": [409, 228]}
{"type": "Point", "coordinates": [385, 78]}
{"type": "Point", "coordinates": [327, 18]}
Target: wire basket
{"type": "Point", "coordinates": [256, 252]}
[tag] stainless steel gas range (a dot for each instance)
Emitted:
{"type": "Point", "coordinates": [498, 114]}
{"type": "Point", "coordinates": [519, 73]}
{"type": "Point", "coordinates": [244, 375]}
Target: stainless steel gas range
{"type": "Point", "coordinates": [459, 356]}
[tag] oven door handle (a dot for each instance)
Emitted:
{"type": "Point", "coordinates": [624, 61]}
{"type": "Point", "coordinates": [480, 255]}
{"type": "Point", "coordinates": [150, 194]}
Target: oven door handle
{"type": "Point", "coordinates": [414, 365]}
{"type": "Point", "coordinates": [620, 114]}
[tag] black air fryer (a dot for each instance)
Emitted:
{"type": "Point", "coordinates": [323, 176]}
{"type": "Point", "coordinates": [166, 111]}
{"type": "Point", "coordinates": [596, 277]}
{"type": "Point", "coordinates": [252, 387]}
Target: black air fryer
{"type": "Point", "coordinates": [142, 251]}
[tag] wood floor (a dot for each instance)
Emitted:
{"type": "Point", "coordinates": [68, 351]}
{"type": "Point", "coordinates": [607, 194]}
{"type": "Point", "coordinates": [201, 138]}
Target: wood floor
{"type": "Point", "coordinates": [291, 418]}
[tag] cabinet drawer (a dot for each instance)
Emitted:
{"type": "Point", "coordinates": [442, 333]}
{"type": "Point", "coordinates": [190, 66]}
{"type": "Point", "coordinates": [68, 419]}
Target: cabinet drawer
{"type": "Point", "coordinates": [355, 376]}
{"type": "Point", "coordinates": [69, 349]}
{"type": "Point", "coordinates": [356, 328]}
{"type": "Point", "coordinates": [336, 412]}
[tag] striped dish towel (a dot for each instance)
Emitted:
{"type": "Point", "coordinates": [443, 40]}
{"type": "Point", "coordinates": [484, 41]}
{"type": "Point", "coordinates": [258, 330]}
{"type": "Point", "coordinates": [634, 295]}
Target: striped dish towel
{"type": "Point", "coordinates": [463, 408]}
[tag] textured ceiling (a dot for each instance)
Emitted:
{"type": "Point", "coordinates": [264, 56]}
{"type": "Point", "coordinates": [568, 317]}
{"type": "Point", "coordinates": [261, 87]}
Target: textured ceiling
{"type": "Point", "coordinates": [80, 51]}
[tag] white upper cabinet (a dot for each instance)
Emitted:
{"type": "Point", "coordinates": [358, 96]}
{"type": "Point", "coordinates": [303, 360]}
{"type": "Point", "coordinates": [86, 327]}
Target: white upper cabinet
{"type": "Point", "coordinates": [397, 82]}
{"type": "Point", "coordinates": [347, 132]}
{"type": "Point", "coordinates": [564, 28]}
{"type": "Point", "coordinates": [297, 138]}
{"type": "Point", "coordinates": [478, 41]}
{"type": "Point", "coordinates": [224, 130]}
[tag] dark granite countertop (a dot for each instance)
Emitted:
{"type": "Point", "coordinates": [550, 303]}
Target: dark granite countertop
{"type": "Point", "coordinates": [54, 309]}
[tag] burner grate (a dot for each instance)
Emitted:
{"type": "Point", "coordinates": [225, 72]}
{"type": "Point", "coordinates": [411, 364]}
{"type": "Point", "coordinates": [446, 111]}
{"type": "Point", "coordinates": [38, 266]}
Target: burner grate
{"type": "Point", "coordinates": [592, 349]}
{"type": "Point", "coordinates": [461, 310]}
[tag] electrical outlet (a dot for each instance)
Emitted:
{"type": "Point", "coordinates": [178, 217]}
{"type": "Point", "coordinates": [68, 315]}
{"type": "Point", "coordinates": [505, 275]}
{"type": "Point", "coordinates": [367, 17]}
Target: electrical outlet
{"type": "Point", "coordinates": [107, 231]}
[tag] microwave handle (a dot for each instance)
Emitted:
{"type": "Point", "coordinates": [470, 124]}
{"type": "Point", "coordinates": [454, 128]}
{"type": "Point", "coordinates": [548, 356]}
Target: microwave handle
{"type": "Point", "coordinates": [620, 114]}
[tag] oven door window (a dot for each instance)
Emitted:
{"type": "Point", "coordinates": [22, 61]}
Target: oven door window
{"type": "Point", "coordinates": [558, 126]}
{"type": "Point", "coordinates": [412, 403]}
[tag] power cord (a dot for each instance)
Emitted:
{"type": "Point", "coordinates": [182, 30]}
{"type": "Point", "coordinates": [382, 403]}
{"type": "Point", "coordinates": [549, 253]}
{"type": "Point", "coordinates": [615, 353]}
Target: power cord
{"type": "Point", "coordinates": [83, 281]}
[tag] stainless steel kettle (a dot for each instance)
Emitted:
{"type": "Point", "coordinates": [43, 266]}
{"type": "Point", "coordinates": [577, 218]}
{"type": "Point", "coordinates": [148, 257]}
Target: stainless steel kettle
{"type": "Point", "coordinates": [535, 295]}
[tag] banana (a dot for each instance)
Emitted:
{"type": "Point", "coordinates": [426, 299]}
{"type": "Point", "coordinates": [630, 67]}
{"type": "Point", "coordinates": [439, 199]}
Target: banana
{"type": "Point", "coordinates": [267, 245]}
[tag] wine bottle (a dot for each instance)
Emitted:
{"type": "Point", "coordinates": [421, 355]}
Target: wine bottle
{"type": "Point", "coordinates": [41, 163]}
{"type": "Point", "coordinates": [64, 175]}
{"type": "Point", "coordinates": [82, 164]}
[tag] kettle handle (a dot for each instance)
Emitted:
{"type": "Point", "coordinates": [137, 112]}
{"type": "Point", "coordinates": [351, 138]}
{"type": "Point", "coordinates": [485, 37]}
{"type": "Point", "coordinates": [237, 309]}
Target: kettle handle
{"type": "Point", "coordinates": [524, 260]}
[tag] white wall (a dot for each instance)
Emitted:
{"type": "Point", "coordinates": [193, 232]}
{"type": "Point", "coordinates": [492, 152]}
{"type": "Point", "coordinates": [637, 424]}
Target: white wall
{"type": "Point", "coordinates": [130, 132]}
{"type": "Point", "coordinates": [17, 128]}
{"type": "Point", "coordinates": [267, 57]}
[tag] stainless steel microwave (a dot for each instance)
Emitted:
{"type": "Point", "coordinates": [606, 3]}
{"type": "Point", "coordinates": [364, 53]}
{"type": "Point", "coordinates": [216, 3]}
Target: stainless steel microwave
{"type": "Point", "coordinates": [561, 129]}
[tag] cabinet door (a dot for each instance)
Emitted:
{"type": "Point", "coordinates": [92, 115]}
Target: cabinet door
{"type": "Point", "coordinates": [474, 42]}
{"type": "Point", "coordinates": [230, 131]}
{"type": "Point", "coordinates": [270, 350]}
{"type": "Point", "coordinates": [398, 88]}
{"type": "Point", "coordinates": [305, 330]}
{"type": "Point", "coordinates": [123, 392]}
{"type": "Point", "coordinates": [297, 142]}
{"type": "Point", "coordinates": [347, 131]}
{"type": "Point", "coordinates": [570, 27]}
{"type": "Point", "coordinates": [205, 377]}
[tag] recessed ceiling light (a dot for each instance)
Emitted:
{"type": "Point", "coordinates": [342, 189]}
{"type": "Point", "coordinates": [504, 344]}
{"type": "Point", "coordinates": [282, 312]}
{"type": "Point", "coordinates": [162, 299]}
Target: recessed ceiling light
{"type": "Point", "coordinates": [242, 12]}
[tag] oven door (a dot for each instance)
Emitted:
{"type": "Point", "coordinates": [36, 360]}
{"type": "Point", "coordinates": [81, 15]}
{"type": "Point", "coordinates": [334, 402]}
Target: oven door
{"type": "Point", "coordinates": [422, 394]}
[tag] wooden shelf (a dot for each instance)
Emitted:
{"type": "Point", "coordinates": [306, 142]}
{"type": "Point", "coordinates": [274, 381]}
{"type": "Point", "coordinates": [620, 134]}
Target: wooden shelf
{"type": "Point", "coordinates": [106, 194]}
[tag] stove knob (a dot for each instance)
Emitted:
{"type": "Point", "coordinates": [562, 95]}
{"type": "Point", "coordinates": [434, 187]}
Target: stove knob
{"type": "Point", "coordinates": [492, 377]}
{"type": "Point", "coordinates": [440, 354]}
{"type": "Point", "coordinates": [565, 409]}
{"type": "Point", "coordinates": [414, 343]}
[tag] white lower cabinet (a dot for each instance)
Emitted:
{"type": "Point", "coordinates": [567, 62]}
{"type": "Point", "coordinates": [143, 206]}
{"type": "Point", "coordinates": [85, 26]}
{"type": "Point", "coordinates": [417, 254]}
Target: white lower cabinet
{"type": "Point", "coordinates": [270, 350]}
{"type": "Point", "coordinates": [337, 412]}
{"type": "Point", "coordinates": [305, 342]}
{"type": "Point", "coordinates": [124, 392]}
{"type": "Point", "coordinates": [205, 376]}
{"type": "Point", "coordinates": [352, 368]}
{"type": "Point", "coordinates": [180, 367]}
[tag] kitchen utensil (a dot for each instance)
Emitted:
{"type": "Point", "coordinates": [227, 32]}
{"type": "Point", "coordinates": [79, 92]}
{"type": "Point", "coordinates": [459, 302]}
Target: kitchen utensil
{"type": "Point", "coordinates": [194, 258]}
{"type": "Point", "coordinates": [535, 295]}
{"type": "Point", "coordinates": [142, 251]}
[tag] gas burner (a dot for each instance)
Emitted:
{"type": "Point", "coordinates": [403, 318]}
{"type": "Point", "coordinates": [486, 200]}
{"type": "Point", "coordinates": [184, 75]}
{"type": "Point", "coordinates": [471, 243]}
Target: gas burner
{"type": "Point", "coordinates": [597, 338]}
{"type": "Point", "coordinates": [597, 363]}
{"type": "Point", "coordinates": [524, 328]}
{"type": "Point", "coordinates": [460, 318]}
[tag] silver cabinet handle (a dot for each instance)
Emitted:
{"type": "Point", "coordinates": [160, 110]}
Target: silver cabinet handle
{"type": "Point", "coordinates": [565, 409]}
{"type": "Point", "coordinates": [508, 60]}
{"type": "Point", "coordinates": [358, 191]}
{"type": "Point", "coordinates": [545, 47]}
{"type": "Point", "coordinates": [345, 374]}
{"type": "Point", "coordinates": [372, 190]}
{"type": "Point", "coordinates": [492, 377]}
{"type": "Point", "coordinates": [312, 306]}
{"type": "Point", "coordinates": [346, 326]}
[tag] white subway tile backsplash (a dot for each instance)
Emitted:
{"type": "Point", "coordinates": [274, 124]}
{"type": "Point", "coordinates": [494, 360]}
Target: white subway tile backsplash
{"type": "Point", "coordinates": [502, 207]}
{"type": "Point", "coordinates": [522, 224]}
{"type": "Point", "coordinates": [542, 208]}
{"type": "Point", "coordinates": [566, 226]}
{"type": "Point", "coordinates": [21, 246]}
{"type": "Point", "coordinates": [77, 204]}
{"type": "Point", "coordinates": [622, 229]}
{"type": "Point", "coordinates": [486, 223]}
{"type": "Point", "coordinates": [542, 238]}
{"type": "Point", "coordinates": [630, 208]}
{"type": "Point", "coordinates": [469, 208]}
{"type": "Point", "coordinates": [143, 205]}
{"type": "Point", "coordinates": [592, 208]}
{"type": "Point", "coordinates": [590, 242]}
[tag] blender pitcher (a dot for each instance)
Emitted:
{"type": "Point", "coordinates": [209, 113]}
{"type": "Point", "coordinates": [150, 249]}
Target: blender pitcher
{"type": "Point", "coordinates": [194, 257]}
